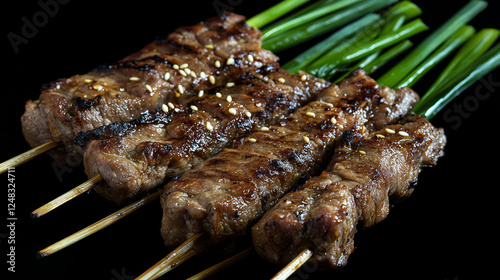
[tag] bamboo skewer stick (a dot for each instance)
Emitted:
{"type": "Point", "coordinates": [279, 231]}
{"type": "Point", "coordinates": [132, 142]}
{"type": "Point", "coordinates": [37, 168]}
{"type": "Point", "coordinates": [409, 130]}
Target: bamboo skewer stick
{"type": "Point", "coordinates": [103, 223]}
{"type": "Point", "coordinates": [66, 197]}
{"type": "Point", "coordinates": [180, 260]}
{"type": "Point", "coordinates": [26, 156]}
{"type": "Point", "coordinates": [168, 262]}
{"type": "Point", "coordinates": [223, 264]}
{"type": "Point", "coordinates": [295, 264]}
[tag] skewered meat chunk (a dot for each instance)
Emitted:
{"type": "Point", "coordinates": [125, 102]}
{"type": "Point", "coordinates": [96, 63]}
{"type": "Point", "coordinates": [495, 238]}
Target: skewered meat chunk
{"type": "Point", "coordinates": [354, 191]}
{"type": "Point", "coordinates": [143, 81]}
{"type": "Point", "coordinates": [134, 157]}
{"type": "Point", "coordinates": [224, 195]}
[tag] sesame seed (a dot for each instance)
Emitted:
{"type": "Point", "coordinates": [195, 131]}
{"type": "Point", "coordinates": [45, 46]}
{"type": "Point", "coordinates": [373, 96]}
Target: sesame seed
{"type": "Point", "coordinates": [403, 133]}
{"type": "Point", "coordinates": [176, 110]}
{"type": "Point", "coordinates": [188, 71]}
{"type": "Point", "coordinates": [253, 140]}
{"type": "Point", "coordinates": [209, 126]}
{"type": "Point", "coordinates": [184, 66]}
{"type": "Point", "coordinates": [183, 73]}
{"type": "Point", "coordinates": [203, 75]}
{"type": "Point", "coordinates": [333, 120]}
{"type": "Point", "coordinates": [217, 64]}
{"type": "Point", "coordinates": [248, 114]}
{"type": "Point", "coordinates": [177, 94]}
{"type": "Point", "coordinates": [218, 94]}
{"type": "Point", "coordinates": [167, 76]}
{"type": "Point", "coordinates": [200, 93]}
{"type": "Point", "coordinates": [264, 128]}
{"type": "Point", "coordinates": [229, 98]}
{"type": "Point", "coordinates": [97, 87]}
{"type": "Point", "coordinates": [193, 74]}
{"type": "Point", "coordinates": [306, 139]}
{"type": "Point", "coordinates": [209, 46]}
{"type": "Point", "coordinates": [281, 80]}
{"type": "Point", "coordinates": [363, 129]}
{"type": "Point", "coordinates": [170, 105]}
{"type": "Point", "coordinates": [211, 79]}
{"type": "Point", "coordinates": [230, 61]}
{"type": "Point", "coordinates": [176, 67]}
{"type": "Point", "coordinates": [380, 136]}
{"type": "Point", "coordinates": [88, 81]}
{"type": "Point", "coordinates": [389, 130]}
{"type": "Point", "coordinates": [164, 108]}
{"type": "Point", "coordinates": [303, 78]}
{"type": "Point", "coordinates": [250, 57]}
{"type": "Point", "coordinates": [180, 88]}
{"type": "Point", "coordinates": [232, 111]}
{"type": "Point", "coordinates": [311, 114]}
{"type": "Point", "coordinates": [149, 88]}
{"type": "Point", "coordinates": [134, 79]}
{"type": "Point", "coordinates": [230, 84]}
{"type": "Point", "coordinates": [362, 152]}
{"type": "Point", "coordinates": [194, 108]}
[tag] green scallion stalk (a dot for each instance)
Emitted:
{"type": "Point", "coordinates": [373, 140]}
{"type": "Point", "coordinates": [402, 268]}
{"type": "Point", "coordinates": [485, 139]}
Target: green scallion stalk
{"type": "Point", "coordinates": [391, 20]}
{"type": "Point", "coordinates": [467, 54]}
{"type": "Point", "coordinates": [275, 12]}
{"type": "Point", "coordinates": [455, 41]}
{"type": "Point", "coordinates": [308, 56]}
{"type": "Point", "coordinates": [307, 17]}
{"type": "Point", "coordinates": [387, 56]}
{"type": "Point", "coordinates": [323, 25]}
{"type": "Point", "coordinates": [390, 27]}
{"type": "Point", "coordinates": [404, 8]}
{"type": "Point", "coordinates": [460, 81]}
{"type": "Point", "coordinates": [311, 7]}
{"type": "Point", "coordinates": [432, 42]}
{"type": "Point", "coordinates": [329, 63]}
{"type": "Point", "coordinates": [410, 29]}
{"type": "Point", "coordinates": [360, 64]}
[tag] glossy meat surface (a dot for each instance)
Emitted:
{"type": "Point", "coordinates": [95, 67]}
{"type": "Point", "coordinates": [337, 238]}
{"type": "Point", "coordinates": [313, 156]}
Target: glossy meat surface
{"type": "Point", "coordinates": [224, 195]}
{"type": "Point", "coordinates": [134, 157]}
{"type": "Point", "coordinates": [184, 61]}
{"type": "Point", "coordinates": [353, 192]}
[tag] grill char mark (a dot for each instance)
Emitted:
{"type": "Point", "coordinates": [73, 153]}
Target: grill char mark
{"type": "Point", "coordinates": [136, 156]}
{"type": "Point", "coordinates": [106, 95]}
{"type": "Point", "coordinates": [353, 192]}
{"type": "Point", "coordinates": [205, 198]}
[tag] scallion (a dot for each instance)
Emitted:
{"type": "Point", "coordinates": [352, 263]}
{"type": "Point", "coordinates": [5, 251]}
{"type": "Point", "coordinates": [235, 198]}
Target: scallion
{"type": "Point", "coordinates": [455, 41]}
{"type": "Point", "coordinates": [431, 43]}
{"type": "Point", "coordinates": [275, 12]}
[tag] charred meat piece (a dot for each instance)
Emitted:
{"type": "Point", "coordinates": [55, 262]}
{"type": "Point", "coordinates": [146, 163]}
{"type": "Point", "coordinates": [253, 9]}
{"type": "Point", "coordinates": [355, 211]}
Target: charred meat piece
{"type": "Point", "coordinates": [199, 57]}
{"type": "Point", "coordinates": [134, 157]}
{"type": "Point", "coordinates": [354, 191]}
{"type": "Point", "coordinates": [224, 195]}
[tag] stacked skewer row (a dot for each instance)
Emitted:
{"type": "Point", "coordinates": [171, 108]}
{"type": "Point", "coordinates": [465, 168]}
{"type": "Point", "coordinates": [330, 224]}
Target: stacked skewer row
{"type": "Point", "coordinates": [216, 112]}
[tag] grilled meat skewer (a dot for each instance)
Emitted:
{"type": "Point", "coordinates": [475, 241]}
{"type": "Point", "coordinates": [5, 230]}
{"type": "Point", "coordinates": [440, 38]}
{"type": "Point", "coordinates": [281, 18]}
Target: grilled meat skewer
{"type": "Point", "coordinates": [198, 57]}
{"type": "Point", "coordinates": [134, 157]}
{"type": "Point", "coordinates": [354, 191]}
{"type": "Point", "coordinates": [225, 194]}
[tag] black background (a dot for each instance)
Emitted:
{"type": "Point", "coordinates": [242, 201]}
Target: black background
{"type": "Point", "coordinates": [446, 230]}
